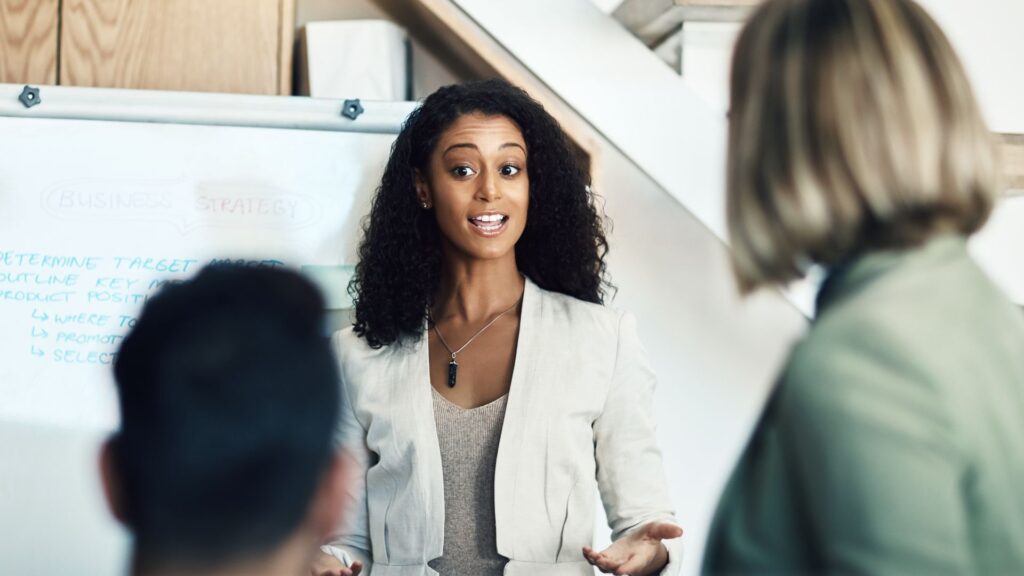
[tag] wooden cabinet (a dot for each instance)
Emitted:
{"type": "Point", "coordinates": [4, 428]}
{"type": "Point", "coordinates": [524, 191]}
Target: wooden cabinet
{"type": "Point", "coordinates": [200, 45]}
{"type": "Point", "coordinates": [28, 41]}
{"type": "Point", "coordinates": [242, 46]}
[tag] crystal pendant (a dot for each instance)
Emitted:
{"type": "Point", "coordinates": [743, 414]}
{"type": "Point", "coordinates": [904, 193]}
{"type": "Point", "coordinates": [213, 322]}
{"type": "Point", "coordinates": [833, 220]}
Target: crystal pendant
{"type": "Point", "coordinates": [453, 370]}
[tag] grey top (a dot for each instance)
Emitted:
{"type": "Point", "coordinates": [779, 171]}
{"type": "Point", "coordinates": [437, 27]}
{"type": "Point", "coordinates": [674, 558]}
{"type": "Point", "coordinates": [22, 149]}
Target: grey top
{"type": "Point", "coordinates": [469, 449]}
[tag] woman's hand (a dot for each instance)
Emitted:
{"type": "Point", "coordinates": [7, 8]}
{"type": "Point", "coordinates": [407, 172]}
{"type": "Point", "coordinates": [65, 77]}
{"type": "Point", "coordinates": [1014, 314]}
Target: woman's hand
{"type": "Point", "coordinates": [639, 553]}
{"type": "Point", "coordinates": [327, 565]}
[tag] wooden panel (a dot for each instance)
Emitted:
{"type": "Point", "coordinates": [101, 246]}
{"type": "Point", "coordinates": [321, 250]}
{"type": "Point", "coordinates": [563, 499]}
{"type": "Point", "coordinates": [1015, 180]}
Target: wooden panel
{"type": "Point", "coordinates": [28, 41]}
{"type": "Point", "coordinates": [285, 46]}
{"type": "Point", "coordinates": [197, 45]}
{"type": "Point", "coordinates": [1013, 162]}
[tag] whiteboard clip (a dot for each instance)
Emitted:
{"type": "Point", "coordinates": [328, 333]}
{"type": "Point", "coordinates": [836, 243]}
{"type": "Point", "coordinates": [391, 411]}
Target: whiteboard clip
{"type": "Point", "coordinates": [351, 109]}
{"type": "Point", "coordinates": [30, 96]}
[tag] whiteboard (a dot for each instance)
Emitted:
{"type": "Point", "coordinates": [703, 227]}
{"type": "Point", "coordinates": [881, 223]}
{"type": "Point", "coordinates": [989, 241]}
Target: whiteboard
{"type": "Point", "coordinates": [107, 194]}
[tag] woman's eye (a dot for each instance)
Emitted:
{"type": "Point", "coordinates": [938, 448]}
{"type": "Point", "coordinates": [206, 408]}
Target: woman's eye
{"type": "Point", "coordinates": [509, 170]}
{"type": "Point", "coordinates": [463, 171]}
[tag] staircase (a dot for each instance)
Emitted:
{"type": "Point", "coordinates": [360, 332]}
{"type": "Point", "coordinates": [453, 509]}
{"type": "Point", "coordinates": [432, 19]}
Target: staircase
{"type": "Point", "coordinates": [653, 20]}
{"type": "Point", "coordinates": [1013, 162]}
{"type": "Point", "coordinates": [670, 28]}
{"type": "Point", "coordinates": [695, 38]}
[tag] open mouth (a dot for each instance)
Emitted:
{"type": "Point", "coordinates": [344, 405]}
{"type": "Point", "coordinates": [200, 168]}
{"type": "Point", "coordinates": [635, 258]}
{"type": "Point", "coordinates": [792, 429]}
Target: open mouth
{"type": "Point", "coordinates": [490, 224]}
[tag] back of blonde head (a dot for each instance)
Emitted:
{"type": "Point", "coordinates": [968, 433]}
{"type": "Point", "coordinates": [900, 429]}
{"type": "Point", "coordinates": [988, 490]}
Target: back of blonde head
{"type": "Point", "coordinates": [852, 127]}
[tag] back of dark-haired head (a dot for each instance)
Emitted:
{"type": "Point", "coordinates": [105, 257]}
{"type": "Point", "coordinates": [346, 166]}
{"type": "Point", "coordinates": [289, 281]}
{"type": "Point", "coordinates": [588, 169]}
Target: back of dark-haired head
{"type": "Point", "coordinates": [228, 396]}
{"type": "Point", "coordinates": [562, 248]}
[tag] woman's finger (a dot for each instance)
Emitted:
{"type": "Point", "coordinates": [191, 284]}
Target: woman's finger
{"type": "Point", "coordinates": [606, 564]}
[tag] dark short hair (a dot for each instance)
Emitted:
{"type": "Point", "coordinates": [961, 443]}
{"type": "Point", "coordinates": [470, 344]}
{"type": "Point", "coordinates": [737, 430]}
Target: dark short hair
{"type": "Point", "coordinates": [562, 248]}
{"type": "Point", "coordinates": [229, 396]}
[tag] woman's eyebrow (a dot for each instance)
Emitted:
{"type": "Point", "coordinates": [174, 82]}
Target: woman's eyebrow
{"type": "Point", "coordinates": [475, 147]}
{"type": "Point", "coordinates": [460, 145]}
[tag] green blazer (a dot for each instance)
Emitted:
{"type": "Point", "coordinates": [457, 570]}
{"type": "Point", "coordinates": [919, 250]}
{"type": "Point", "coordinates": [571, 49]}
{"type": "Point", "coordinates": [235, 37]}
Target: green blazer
{"type": "Point", "coordinates": [894, 441]}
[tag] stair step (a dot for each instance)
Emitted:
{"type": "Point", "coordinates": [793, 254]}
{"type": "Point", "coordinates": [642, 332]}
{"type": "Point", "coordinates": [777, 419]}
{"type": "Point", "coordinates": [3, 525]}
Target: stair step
{"type": "Point", "coordinates": [1013, 162]}
{"type": "Point", "coordinates": [653, 20]}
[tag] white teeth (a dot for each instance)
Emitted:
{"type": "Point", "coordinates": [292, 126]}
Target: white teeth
{"type": "Point", "coordinates": [489, 218]}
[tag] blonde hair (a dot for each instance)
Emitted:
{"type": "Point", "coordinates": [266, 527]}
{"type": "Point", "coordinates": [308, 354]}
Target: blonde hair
{"type": "Point", "coordinates": [852, 127]}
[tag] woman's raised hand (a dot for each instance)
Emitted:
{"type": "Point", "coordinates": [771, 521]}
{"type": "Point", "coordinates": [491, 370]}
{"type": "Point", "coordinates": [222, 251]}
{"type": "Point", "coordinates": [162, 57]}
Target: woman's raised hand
{"type": "Point", "coordinates": [327, 565]}
{"type": "Point", "coordinates": [639, 553]}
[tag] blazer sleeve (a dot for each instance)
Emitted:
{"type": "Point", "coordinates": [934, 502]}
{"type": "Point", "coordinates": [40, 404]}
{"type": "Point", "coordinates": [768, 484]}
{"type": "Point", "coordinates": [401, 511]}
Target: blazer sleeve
{"type": "Point", "coordinates": [876, 459]}
{"type": "Point", "coordinates": [630, 474]}
{"type": "Point", "coordinates": [352, 535]}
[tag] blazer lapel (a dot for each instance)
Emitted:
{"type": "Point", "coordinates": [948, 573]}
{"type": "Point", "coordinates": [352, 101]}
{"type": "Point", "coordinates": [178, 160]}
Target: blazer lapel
{"type": "Point", "coordinates": [516, 410]}
{"type": "Point", "coordinates": [414, 393]}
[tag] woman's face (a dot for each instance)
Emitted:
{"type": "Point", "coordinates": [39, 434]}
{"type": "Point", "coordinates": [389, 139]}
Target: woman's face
{"type": "Point", "coordinates": [477, 184]}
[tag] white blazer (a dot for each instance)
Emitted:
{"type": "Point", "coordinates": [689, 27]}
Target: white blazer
{"type": "Point", "coordinates": [578, 421]}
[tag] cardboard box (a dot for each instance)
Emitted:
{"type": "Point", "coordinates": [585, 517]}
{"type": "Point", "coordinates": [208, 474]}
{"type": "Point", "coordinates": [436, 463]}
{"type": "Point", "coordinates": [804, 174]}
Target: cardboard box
{"type": "Point", "coordinates": [366, 59]}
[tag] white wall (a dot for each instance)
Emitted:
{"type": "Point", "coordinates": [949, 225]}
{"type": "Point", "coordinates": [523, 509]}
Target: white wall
{"type": "Point", "coordinates": [707, 54]}
{"type": "Point", "coordinates": [986, 34]}
{"type": "Point", "coordinates": [53, 518]}
{"type": "Point", "coordinates": [715, 355]}
{"type": "Point", "coordinates": [607, 6]}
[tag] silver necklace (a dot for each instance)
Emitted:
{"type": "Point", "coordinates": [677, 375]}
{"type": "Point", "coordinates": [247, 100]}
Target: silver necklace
{"type": "Point", "coordinates": [453, 365]}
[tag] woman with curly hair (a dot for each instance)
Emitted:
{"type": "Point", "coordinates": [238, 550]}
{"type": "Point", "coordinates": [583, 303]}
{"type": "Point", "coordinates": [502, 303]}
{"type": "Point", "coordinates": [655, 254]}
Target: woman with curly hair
{"type": "Point", "coordinates": [490, 394]}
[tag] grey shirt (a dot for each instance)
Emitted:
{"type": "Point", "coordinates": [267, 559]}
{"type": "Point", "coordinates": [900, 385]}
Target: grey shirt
{"type": "Point", "coordinates": [469, 449]}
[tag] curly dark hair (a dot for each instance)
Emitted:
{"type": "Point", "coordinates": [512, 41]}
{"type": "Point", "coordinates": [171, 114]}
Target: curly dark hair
{"type": "Point", "coordinates": [562, 248]}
